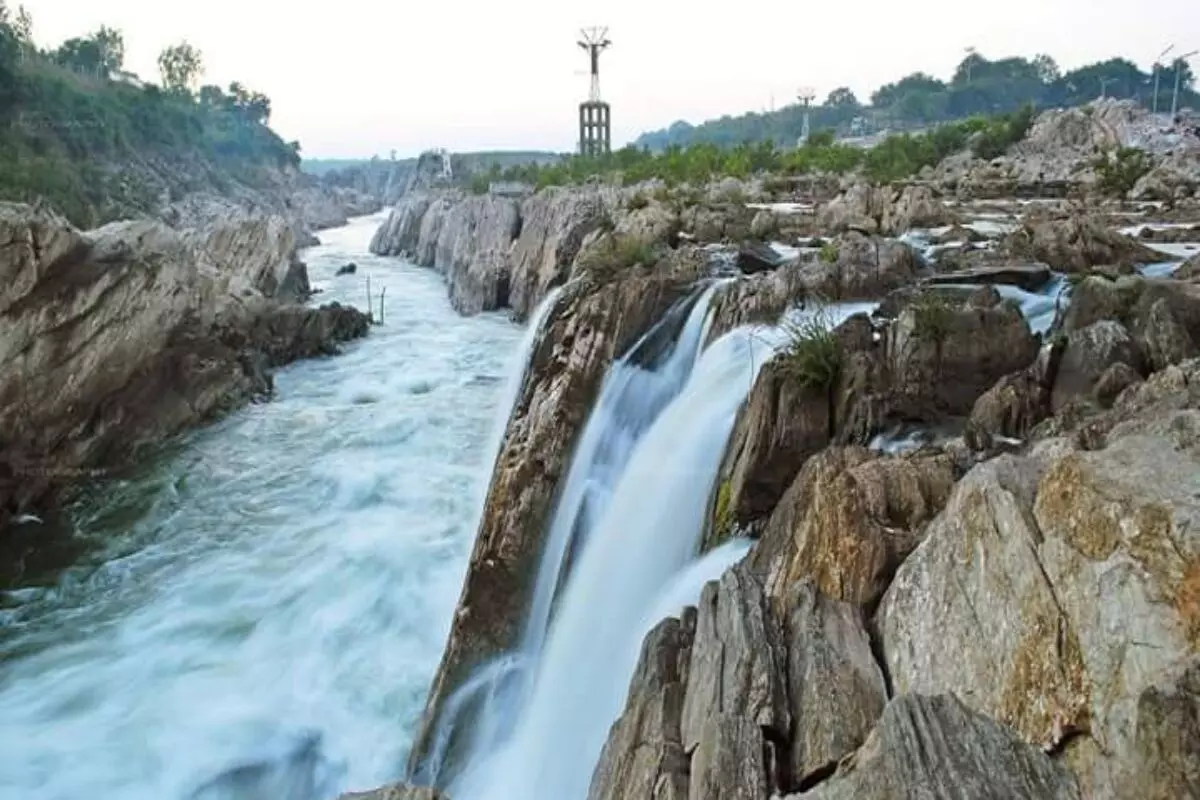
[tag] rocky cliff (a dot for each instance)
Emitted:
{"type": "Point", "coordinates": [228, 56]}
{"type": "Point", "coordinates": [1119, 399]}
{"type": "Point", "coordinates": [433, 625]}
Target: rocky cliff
{"type": "Point", "coordinates": [118, 337]}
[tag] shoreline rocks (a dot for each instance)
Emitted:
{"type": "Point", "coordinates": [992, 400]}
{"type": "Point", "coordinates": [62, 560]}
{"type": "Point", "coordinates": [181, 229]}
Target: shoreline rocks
{"type": "Point", "coordinates": [120, 337]}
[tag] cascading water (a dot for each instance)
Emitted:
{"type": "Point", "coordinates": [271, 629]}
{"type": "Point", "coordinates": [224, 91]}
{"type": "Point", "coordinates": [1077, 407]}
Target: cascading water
{"type": "Point", "coordinates": [634, 393]}
{"type": "Point", "coordinates": [648, 532]}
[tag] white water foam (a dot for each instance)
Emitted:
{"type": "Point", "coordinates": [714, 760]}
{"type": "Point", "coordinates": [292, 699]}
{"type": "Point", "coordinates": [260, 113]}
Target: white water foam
{"type": "Point", "coordinates": [648, 534]}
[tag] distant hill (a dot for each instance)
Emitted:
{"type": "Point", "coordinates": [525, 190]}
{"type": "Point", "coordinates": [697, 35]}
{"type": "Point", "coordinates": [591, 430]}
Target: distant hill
{"type": "Point", "coordinates": [978, 87]}
{"type": "Point", "coordinates": [471, 163]}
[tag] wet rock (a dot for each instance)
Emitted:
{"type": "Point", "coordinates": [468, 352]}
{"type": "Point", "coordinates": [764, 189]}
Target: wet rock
{"type": "Point", "coordinates": [1012, 408]}
{"type": "Point", "coordinates": [644, 756]}
{"type": "Point", "coordinates": [1089, 352]}
{"type": "Point", "coordinates": [1097, 298]}
{"type": "Point", "coordinates": [865, 268]}
{"type": "Point", "coordinates": [348, 269]}
{"type": "Point", "coordinates": [835, 687]}
{"type": "Point", "coordinates": [764, 225]}
{"type": "Point", "coordinates": [848, 520]}
{"type": "Point", "coordinates": [1030, 277]}
{"type": "Point", "coordinates": [938, 747]}
{"type": "Point", "coordinates": [754, 258]}
{"type": "Point", "coordinates": [863, 206]}
{"type": "Point", "coordinates": [916, 207]}
{"type": "Point", "coordinates": [959, 234]}
{"type": "Point", "coordinates": [1170, 235]}
{"type": "Point", "coordinates": [1077, 244]}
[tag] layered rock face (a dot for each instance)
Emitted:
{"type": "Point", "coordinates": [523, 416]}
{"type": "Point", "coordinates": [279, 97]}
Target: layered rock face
{"type": "Point", "coordinates": [123, 335]}
{"type": "Point", "coordinates": [494, 251]}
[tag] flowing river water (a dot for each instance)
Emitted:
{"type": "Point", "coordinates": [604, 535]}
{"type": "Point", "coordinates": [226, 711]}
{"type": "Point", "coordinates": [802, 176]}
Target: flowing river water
{"type": "Point", "coordinates": [274, 589]}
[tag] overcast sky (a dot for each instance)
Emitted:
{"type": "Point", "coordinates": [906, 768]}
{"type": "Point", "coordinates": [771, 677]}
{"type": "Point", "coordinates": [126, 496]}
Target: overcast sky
{"type": "Point", "coordinates": [360, 77]}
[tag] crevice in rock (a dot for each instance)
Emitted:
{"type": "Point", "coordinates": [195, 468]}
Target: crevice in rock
{"type": "Point", "coordinates": [776, 747]}
{"type": "Point", "coordinates": [815, 777]}
{"type": "Point", "coordinates": [875, 637]}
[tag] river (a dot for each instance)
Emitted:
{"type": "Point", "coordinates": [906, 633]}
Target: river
{"type": "Point", "coordinates": [278, 585]}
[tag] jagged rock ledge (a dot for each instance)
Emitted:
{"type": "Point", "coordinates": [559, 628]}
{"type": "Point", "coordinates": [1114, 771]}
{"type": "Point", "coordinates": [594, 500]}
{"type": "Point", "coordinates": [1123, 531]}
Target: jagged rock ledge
{"type": "Point", "coordinates": [116, 338]}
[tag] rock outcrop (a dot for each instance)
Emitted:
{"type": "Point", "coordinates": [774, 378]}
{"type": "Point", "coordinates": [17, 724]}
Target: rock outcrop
{"type": "Point", "coordinates": [397, 792]}
{"type": "Point", "coordinates": [472, 252]}
{"type": "Point", "coordinates": [401, 231]}
{"type": "Point", "coordinates": [878, 209]}
{"type": "Point", "coordinates": [1090, 585]}
{"type": "Point", "coordinates": [1077, 244]}
{"type": "Point", "coordinates": [121, 336]}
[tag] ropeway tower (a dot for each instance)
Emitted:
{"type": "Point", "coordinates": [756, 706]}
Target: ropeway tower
{"type": "Point", "coordinates": [595, 120]}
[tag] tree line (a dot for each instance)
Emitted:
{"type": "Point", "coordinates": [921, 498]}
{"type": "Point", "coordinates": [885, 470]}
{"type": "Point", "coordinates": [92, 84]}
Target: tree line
{"type": "Point", "coordinates": [72, 121]}
{"type": "Point", "coordinates": [979, 86]}
{"type": "Point", "coordinates": [898, 157]}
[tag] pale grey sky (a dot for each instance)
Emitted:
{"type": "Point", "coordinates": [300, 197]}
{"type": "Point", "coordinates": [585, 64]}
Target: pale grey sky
{"type": "Point", "coordinates": [355, 78]}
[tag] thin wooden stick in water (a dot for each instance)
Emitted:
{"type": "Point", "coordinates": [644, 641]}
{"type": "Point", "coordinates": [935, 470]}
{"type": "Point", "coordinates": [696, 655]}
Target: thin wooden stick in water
{"type": "Point", "coordinates": [382, 294]}
{"type": "Point", "coordinates": [370, 302]}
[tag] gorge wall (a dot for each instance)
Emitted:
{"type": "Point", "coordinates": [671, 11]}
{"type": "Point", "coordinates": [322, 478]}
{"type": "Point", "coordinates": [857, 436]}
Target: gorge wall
{"type": "Point", "coordinates": [973, 555]}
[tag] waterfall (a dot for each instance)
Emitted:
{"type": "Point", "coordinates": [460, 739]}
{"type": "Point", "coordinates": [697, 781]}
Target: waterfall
{"type": "Point", "coordinates": [516, 378]}
{"type": "Point", "coordinates": [647, 533]}
{"type": "Point", "coordinates": [633, 394]}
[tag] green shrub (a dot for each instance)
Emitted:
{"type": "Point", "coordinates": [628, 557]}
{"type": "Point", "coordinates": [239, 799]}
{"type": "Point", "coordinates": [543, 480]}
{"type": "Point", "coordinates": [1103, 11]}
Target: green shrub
{"type": "Point", "coordinates": [933, 316]}
{"type": "Point", "coordinates": [723, 512]}
{"type": "Point", "coordinates": [828, 253]}
{"type": "Point", "coordinates": [1119, 170]}
{"type": "Point", "coordinates": [636, 201]}
{"type": "Point", "coordinates": [813, 355]}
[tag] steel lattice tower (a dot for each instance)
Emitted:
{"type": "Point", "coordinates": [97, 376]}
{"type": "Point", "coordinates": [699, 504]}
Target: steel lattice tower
{"type": "Point", "coordinates": [595, 119]}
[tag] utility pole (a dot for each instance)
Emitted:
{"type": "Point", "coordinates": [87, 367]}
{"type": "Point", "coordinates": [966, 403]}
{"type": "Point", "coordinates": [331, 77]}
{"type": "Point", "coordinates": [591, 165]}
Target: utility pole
{"type": "Point", "coordinates": [1157, 64]}
{"type": "Point", "coordinates": [971, 51]}
{"type": "Point", "coordinates": [595, 120]}
{"type": "Point", "coordinates": [1180, 63]}
{"type": "Point", "coordinates": [806, 96]}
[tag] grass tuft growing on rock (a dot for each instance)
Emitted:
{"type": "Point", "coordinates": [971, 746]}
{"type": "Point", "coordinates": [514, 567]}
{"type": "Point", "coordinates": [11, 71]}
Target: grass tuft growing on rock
{"type": "Point", "coordinates": [828, 253]}
{"type": "Point", "coordinates": [813, 356]}
{"type": "Point", "coordinates": [1119, 170]}
{"type": "Point", "coordinates": [934, 316]}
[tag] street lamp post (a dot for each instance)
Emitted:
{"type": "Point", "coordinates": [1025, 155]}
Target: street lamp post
{"type": "Point", "coordinates": [1157, 62]}
{"type": "Point", "coordinates": [1179, 64]}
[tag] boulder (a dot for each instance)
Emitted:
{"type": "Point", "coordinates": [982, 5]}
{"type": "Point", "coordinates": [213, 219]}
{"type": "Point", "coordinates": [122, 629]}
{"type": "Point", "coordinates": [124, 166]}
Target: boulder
{"type": "Point", "coordinates": [848, 521]}
{"type": "Point", "coordinates": [348, 269]}
{"type": "Point", "coordinates": [865, 268]}
{"type": "Point", "coordinates": [754, 258]}
{"type": "Point", "coordinates": [1077, 244]}
{"type": "Point", "coordinates": [1065, 585]}
{"type": "Point", "coordinates": [644, 756]}
{"type": "Point", "coordinates": [1114, 380]}
{"type": "Point", "coordinates": [1167, 736]}
{"type": "Point", "coordinates": [781, 424]}
{"type": "Point", "coordinates": [1163, 339]}
{"type": "Point", "coordinates": [835, 687]}
{"type": "Point", "coordinates": [1089, 352]}
{"type": "Point", "coordinates": [916, 207]}
{"type": "Point", "coordinates": [944, 355]}
{"type": "Point", "coordinates": [863, 206]}
{"type": "Point", "coordinates": [938, 747]}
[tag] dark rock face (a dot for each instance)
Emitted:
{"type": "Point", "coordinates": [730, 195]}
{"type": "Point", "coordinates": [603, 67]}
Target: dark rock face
{"type": "Point", "coordinates": [937, 747]}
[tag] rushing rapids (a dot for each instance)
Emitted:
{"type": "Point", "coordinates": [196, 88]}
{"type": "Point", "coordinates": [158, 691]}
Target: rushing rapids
{"type": "Point", "coordinates": [265, 602]}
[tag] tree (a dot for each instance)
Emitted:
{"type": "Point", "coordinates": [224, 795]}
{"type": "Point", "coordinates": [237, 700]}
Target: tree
{"type": "Point", "coordinates": [842, 97]}
{"type": "Point", "coordinates": [180, 66]}
{"type": "Point", "coordinates": [251, 106]}
{"type": "Point", "coordinates": [100, 54]}
{"type": "Point", "coordinates": [1047, 68]}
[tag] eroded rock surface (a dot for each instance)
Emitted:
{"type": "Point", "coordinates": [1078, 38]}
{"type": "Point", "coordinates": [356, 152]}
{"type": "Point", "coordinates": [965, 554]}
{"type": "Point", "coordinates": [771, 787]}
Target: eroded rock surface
{"type": "Point", "coordinates": [938, 747]}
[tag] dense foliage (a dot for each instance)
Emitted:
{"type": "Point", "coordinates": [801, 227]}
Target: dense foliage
{"type": "Point", "coordinates": [978, 87]}
{"type": "Point", "coordinates": [897, 157]}
{"type": "Point", "coordinates": [93, 141]}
